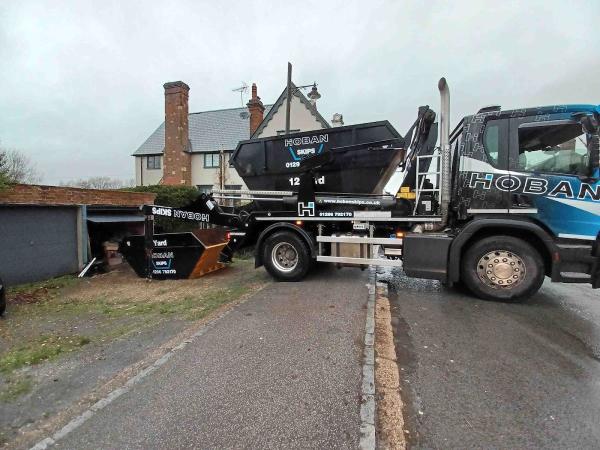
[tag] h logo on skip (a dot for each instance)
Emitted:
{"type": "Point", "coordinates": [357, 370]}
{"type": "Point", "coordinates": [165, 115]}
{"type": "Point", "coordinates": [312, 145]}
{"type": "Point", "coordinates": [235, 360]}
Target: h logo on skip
{"type": "Point", "coordinates": [306, 209]}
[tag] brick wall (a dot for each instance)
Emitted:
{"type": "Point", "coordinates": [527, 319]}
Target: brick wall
{"type": "Point", "coordinates": [256, 109]}
{"type": "Point", "coordinates": [177, 161]}
{"type": "Point", "coordinates": [54, 195]}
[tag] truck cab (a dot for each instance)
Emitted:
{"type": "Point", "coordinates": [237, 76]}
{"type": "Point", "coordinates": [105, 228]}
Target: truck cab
{"type": "Point", "coordinates": [531, 174]}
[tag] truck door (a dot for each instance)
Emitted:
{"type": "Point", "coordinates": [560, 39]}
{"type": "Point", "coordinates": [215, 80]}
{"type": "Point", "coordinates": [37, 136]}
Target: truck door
{"type": "Point", "coordinates": [555, 183]}
{"type": "Point", "coordinates": [484, 164]}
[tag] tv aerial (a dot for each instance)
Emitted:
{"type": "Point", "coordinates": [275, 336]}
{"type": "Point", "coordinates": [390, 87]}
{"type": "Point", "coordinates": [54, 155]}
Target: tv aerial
{"type": "Point", "coordinates": [243, 90]}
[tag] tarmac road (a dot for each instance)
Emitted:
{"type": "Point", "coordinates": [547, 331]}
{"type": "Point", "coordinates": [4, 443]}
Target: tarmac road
{"type": "Point", "coordinates": [479, 374]}
{"type": "Point", "coordinates": [282, 370]}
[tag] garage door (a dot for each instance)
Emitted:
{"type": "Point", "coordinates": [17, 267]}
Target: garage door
{"type": "Point", "coordinates": [37, 242]}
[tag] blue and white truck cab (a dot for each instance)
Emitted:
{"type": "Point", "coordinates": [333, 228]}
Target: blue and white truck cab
{"type": "Point", "coordinates": [531, 174]}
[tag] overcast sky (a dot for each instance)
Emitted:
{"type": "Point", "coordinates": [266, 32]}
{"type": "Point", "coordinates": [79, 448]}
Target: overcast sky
{"type": "Point", "coordinates": [81, 82]}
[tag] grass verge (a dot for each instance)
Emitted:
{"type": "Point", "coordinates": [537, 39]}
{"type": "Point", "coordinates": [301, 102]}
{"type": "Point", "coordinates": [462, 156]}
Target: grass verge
{"type": "Point", "coordinates": [15, 389]}
{"type": "Point", "coordinates": [40, 290]}
{"type": "Point", "coordinates": [44, 348]}
{"type": "Point", "coordinates": [48, 320]}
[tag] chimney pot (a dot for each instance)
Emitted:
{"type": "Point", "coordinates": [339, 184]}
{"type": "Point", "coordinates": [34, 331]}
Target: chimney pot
{"type": "Point", "coordinates": [337, 120]}
{"type": "Point", "coordinates": [176, 85]}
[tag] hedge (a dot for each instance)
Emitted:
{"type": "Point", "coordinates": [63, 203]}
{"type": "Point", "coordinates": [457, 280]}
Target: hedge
{"type": "Point", "coordinates": [174, 196]}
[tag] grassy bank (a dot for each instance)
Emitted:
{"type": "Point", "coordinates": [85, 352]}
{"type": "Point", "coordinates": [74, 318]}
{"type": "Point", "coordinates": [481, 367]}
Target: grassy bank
{"type": "Point", "coordinates": [48, 321]}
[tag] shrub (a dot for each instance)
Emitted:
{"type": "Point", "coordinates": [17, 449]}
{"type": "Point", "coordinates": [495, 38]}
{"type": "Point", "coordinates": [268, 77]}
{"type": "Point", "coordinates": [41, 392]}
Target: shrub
{"type": "Point", "coordinates": [175, 197]}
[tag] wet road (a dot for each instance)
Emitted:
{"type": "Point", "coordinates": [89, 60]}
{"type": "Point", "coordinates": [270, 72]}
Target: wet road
{"type": "Point", "coordinates": [488, 375]}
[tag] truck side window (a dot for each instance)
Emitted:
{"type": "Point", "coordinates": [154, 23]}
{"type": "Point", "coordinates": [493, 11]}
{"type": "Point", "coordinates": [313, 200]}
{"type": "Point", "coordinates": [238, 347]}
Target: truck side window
{"type": "Point", "coordinates": [553, 148]}
{"type": "Point", "coordinates": [491, 141]}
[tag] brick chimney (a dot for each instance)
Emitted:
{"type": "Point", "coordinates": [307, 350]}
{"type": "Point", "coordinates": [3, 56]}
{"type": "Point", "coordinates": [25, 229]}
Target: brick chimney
{"type": "Point", "coordinates": [177, 161]}
{"type": "Point", "coordinates": [256, 109]}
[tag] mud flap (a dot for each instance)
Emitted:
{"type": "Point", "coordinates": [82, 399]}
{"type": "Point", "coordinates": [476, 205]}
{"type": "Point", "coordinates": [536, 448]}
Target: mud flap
{"type": "Point", "coordinates": [426, 255]}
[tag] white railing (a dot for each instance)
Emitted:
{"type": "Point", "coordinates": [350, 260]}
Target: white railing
{"type": "Point", "coordinates": [422, 176]}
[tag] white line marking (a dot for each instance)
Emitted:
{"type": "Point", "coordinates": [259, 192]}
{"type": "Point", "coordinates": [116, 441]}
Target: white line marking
{"type": "Point", "coordinates": [367, 406]}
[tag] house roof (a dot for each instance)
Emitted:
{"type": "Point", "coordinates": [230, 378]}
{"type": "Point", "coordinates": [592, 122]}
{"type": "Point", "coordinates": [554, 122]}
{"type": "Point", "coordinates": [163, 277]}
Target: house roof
{"type": "Point", "coordinates": [209, 131]}
{"type": "Point", "coordinates": [272, 109]}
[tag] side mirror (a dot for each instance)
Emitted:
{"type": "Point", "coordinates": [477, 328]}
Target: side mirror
{"type": "Point", "coordinates": [590, 124]}
{"type": "Point", "coordinates": [593, 123]}
{"type": "Point", "coordinates": [594, 153]}
{"type": "Point", "coordinates": [588, 121]}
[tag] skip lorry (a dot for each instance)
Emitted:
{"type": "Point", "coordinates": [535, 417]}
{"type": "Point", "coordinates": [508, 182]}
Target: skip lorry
{"type": "Point", "coordinates": [503, 201]}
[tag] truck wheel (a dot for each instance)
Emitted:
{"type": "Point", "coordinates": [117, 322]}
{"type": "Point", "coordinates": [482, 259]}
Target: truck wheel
{"type": "Point", "coordinates": [502, 268]}
{"type": "Point", "coordinates": [286, 256]}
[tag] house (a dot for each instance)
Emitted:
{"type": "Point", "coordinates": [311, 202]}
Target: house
{"type": "Point", "coordinates": [187, 149]}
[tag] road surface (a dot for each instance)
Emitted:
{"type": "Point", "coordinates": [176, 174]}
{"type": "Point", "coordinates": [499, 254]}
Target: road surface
{"type": "Point", "coordinates": [478, 374]}
{"type": "Point", "coordinates": [282, 370]}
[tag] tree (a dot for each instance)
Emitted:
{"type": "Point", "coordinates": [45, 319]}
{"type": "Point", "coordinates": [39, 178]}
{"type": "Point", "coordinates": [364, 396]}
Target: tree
{"type": "Point", "coordinates": [3, 171]}
{"type": "Point", "coordinates": [18, 168]}
{"type": "Point", "coordinates": [99, 183]}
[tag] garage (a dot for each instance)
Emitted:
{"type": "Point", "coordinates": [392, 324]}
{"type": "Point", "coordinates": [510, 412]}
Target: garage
{"type": "Point", "coordinates": [48, 231]}
{"type": "Point", "coordinates": [37, 242]}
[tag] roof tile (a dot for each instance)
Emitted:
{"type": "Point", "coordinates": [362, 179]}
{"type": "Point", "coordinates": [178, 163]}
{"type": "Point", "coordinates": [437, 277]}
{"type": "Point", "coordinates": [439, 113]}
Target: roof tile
{"type": "Point", "coordinates": [210, 131]}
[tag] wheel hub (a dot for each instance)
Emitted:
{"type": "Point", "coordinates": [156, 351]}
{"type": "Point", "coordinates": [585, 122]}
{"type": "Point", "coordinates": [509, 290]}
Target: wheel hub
{"type": "Point", "coordinates": [284, 257]}
{"type": "Point", "coordinates": [501, 269]}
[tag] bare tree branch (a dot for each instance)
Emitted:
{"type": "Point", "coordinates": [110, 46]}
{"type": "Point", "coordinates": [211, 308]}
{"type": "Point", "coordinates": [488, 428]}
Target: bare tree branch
{"type": "Point", "coordinates": [98, 183]}
{"type": "Point", "coordinates": [18, 168]}
{"type": "Point", "coordinates": [3, 171]}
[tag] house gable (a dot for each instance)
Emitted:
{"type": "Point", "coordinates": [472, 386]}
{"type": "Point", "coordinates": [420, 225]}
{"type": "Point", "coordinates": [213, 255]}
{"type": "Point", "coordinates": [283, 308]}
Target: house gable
{"type": "Point", "coordinates": [304, 115]}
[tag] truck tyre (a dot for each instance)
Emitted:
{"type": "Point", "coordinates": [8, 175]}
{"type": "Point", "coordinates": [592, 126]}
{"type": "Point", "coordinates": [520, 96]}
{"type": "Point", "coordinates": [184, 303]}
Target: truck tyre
{"type": "Point", "coordinates": [502, 268]}
{"type": "Point", "coordinates": [286, 256]}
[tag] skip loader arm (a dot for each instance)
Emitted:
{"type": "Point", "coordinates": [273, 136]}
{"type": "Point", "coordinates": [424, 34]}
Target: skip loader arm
{"type": "Point", "coordinates": [203, 209]}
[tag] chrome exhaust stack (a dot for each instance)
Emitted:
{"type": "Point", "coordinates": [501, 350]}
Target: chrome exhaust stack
{"type": "Point", "coordinates": [445, 154]}
{"type": "Point", "coordinates": [444, 161]}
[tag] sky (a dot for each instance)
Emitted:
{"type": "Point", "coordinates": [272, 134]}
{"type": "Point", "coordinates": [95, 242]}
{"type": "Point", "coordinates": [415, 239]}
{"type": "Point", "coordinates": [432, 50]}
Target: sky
{"type": "Point", "coordinates": [81, 81]}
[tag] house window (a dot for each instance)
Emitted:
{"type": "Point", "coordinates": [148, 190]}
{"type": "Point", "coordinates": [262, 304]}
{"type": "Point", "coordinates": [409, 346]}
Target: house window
{"type": "Point", "coordinates": [153, 162]}
{"type": "Point", "coordinates": [211, 160]}
{"type": "Point", "coordinates": [205, 188]}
